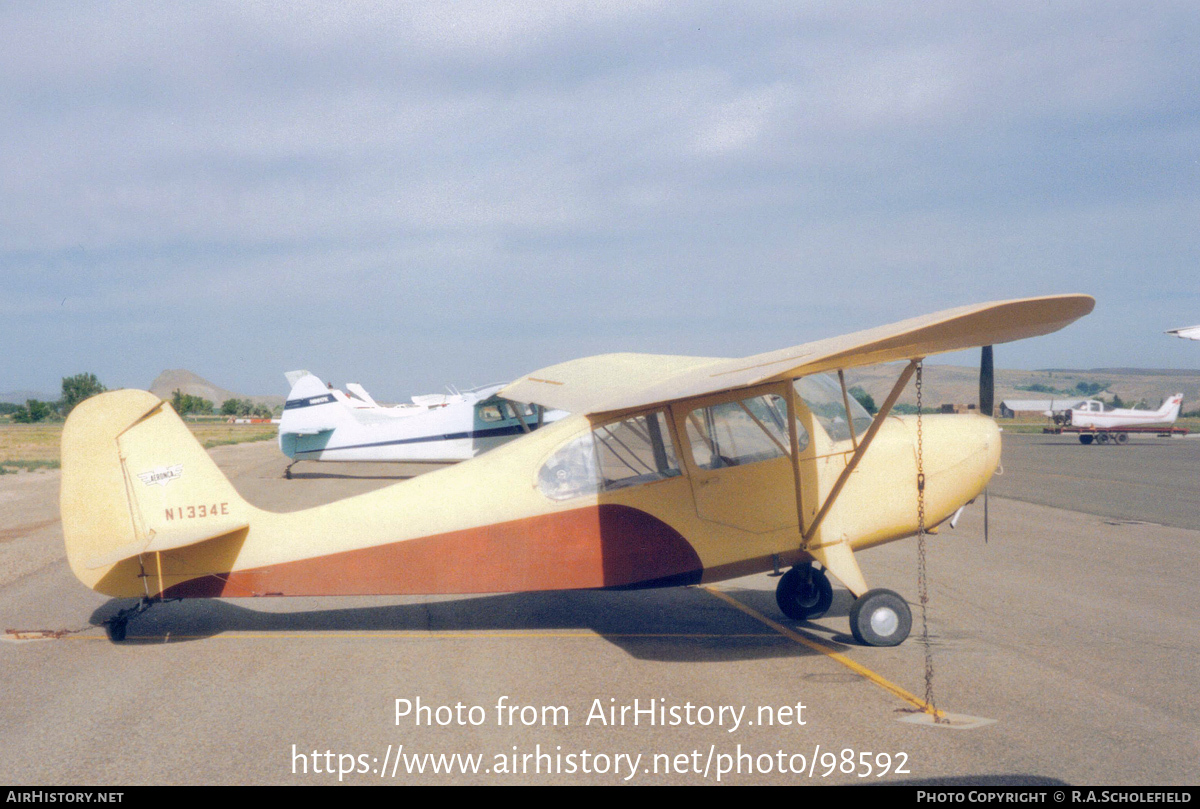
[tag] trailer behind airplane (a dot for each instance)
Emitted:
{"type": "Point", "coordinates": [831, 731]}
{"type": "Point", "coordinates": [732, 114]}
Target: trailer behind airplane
{"type": "Point", "coordinates": [1115, 435]}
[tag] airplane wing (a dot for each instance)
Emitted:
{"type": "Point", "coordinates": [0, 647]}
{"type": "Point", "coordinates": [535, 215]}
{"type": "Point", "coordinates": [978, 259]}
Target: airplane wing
{"type": "Point", "coordinates": [585, 385]}
{"type": "Point", "coordinates": [616, 382]}
{"type": "Point", "coordinates": [1190, 333]}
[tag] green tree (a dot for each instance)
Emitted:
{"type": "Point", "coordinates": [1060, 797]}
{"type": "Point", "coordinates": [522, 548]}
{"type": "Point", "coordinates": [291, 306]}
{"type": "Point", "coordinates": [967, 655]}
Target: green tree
{"type": "Point", "coordinates": [32, 411]}
{"type": "Point", "coordinates": [186, 403]}
{"type": "Point", "coordinates": [865, 399]}
{"type": "Point", "coordinates": [77, 388]}
{"type": "Point", "coordinates": [1089, 388]}
{"type": "Point", "coordinates": [237, 407]}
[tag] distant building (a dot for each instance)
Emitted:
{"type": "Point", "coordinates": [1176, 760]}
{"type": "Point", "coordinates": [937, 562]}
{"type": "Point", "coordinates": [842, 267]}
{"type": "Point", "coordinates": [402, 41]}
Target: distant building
{"type": "Point", "coordinates": [958, 408]}
{"type": "Point", "coordinates": [1011, 408]}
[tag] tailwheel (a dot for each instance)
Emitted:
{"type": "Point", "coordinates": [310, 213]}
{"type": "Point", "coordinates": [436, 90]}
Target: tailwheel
{"type": "Point", "coordinates": [115, 629]}
{"type": "Point", "coordinates": [880, 618]}
{"type": "Point", "coordinates": [115, 626]}
{"type": "Point", "coordinates": [804, 593]}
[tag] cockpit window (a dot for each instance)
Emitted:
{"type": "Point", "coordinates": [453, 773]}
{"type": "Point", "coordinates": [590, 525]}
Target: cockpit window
{"type": "Point", "coordinates": [612, 456]}
{"type": "Point", "coordinates": [823, 395]}
{"type": "Point", "coordinates": [738, 433]}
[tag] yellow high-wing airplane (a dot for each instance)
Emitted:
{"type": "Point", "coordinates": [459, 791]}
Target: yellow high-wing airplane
{"type": "Point", "coordinates": [670, 471]}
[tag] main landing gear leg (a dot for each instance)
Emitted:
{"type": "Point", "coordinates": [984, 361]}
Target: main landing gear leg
{"type": "Point", "coordinates": [804, 593]}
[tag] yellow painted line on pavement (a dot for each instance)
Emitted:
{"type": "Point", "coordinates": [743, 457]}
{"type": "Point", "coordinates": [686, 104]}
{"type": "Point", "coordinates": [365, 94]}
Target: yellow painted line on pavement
{"type": "Point", "coordinates": [816, 646]}
{"type": "Point", "coordinates": [432, 635]}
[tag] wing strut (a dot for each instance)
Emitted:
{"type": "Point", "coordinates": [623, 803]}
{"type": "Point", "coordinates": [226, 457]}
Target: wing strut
{"type": "Point", "coordinates": [512, 406]}
{"type": "Point", "coordinates": [837, 556]}
{"type": "Point", "coordinates": [846, 405]}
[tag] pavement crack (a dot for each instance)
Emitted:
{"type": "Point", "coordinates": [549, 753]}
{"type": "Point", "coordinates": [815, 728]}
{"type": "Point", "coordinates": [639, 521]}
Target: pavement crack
{"type": "Point", "coordinates": [9, 534]}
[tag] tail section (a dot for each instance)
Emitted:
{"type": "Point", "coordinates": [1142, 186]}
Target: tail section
{"type": "Point", "coordinates": [311, 409]}
{"type": "Point", "coordinates": [135, 483]}
{"type": "Point", "coordinates": [1170, 408]}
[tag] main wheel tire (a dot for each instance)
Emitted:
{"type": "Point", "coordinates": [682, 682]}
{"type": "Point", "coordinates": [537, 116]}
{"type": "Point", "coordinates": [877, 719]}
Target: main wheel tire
{"type": "Point", "coordinates": [1102, 438]}
{"type": "Point", "coordinates": [880, 618]}
{"type": "Point", "coordinates": [1085, 439]}
{"type": "Point", "coordinates": [804, 593]}
{"type": "Point", "coordinates": [1121, 438]}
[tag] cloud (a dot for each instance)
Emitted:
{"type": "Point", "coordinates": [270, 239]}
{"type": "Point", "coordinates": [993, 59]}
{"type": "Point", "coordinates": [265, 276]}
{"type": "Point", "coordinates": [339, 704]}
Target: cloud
{"type": "Point", "coordinates": [568, 178]}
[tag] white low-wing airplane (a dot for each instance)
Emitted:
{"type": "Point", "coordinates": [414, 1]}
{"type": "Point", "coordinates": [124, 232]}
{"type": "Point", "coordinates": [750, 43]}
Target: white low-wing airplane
{"type": "Point", "coordinates": [1092, 414]}
{"type": "Point", "coordinates": [321, 423]}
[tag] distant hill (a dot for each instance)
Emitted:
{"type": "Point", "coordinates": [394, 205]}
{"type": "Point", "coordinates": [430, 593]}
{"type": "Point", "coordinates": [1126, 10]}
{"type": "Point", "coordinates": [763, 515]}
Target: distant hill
{"type": "Point", "coordinates": [22, 396]}
{"type": "Point", "coordinates": [165, 385]}
{"type": "Point", "coordinates": [944, 384]}
{"type": "Point", "coordinates": [957, 384]}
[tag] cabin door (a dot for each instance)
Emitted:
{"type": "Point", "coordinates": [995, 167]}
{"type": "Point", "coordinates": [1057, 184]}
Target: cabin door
{"type": "Point", "coordinates": [738, 452]}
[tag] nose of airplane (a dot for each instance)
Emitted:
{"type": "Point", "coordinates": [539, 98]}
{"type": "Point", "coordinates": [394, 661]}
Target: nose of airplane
{"type": "Point", "coordinates": [959, 455]}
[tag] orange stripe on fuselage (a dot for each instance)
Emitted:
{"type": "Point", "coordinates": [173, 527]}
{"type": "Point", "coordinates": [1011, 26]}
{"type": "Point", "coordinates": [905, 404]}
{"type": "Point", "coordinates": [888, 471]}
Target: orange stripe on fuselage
{"type": "Point", "coordinates": [598, 546]}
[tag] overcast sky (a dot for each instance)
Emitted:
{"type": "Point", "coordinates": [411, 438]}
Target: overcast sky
{"type": "Point", "coordinates": [410, 195]}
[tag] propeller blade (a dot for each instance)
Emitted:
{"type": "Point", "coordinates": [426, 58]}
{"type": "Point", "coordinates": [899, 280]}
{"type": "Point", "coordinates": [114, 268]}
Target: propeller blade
{"type": "Point", "coordinates": [987, 382]}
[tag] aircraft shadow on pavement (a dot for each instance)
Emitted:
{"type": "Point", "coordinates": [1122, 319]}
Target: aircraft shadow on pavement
{"type": "Point", "coordinates": [348, 476]}
{"type": "Point", "coordinates": [1138, 446]}
{"type": "Point", "coordinates": [982, 780]}
{"type": "Point", "coordinates": [667, 625]}
{"type": "Point", "coordinates": [358, 470]}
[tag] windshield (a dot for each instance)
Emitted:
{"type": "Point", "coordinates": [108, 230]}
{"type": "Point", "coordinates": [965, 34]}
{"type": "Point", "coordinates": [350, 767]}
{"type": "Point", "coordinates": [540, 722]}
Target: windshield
{"type": "Point", "coordinates": [823, 395]}
{"type": "Point", "coordinates": [738, 433]}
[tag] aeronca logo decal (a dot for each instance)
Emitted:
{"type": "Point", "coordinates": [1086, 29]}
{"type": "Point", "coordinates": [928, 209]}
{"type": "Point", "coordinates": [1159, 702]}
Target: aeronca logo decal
{"type": "Point", "coordinates": [161, 475]}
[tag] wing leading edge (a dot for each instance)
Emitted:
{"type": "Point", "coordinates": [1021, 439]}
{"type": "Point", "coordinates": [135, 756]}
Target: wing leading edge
{"type": "Point", "coordinates": [610, 383]}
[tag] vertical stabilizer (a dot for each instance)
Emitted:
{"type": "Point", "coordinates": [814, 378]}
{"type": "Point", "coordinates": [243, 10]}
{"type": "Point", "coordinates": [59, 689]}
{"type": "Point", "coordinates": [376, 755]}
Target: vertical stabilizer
{"type": "Point", "coordinates": [135, 481]}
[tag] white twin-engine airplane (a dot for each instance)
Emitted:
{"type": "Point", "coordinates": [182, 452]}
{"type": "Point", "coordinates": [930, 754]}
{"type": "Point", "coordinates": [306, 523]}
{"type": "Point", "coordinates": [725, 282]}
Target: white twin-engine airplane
{"type": "Point", "coordinates": [1092, 414]}
{"type": "Point", "coordinates": [321, 423]}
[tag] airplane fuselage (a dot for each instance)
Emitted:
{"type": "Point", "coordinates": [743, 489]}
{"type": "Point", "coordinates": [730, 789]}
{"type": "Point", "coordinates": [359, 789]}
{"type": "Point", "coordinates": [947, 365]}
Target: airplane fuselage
{"type": "Point", "coordinates": [1093, 414]}
{"type": "Point", "coordinates": [692, 524]}
{"type": "Point", "coordinates": [323, 424]}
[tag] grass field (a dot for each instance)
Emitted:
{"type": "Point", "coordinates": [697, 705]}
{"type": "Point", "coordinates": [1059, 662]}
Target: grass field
{"type": "Point", "coordinates": [35, 446]}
